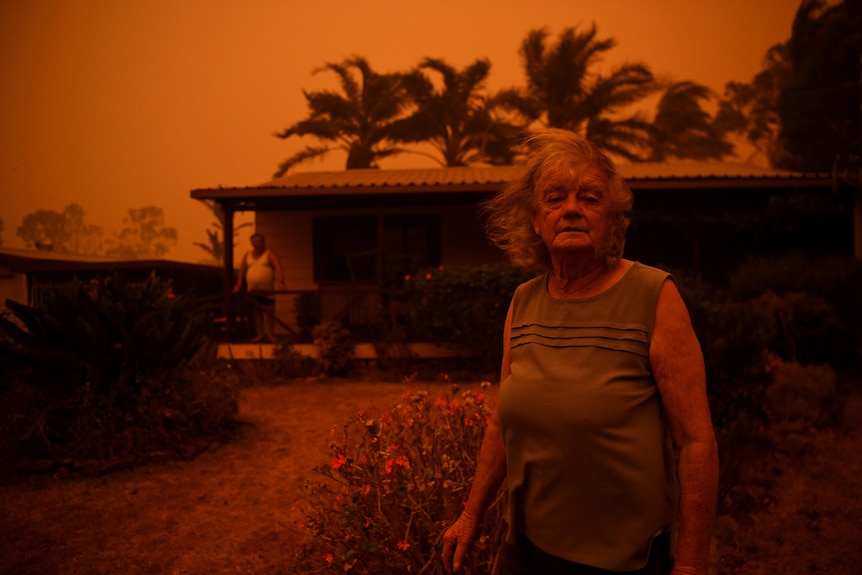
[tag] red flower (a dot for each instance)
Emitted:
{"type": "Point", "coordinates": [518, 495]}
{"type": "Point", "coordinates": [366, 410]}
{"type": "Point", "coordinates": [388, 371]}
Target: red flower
{"type": "Point", "coordinates": [403, 545]}
{"type": "Point", "coordinates": [339, 461]}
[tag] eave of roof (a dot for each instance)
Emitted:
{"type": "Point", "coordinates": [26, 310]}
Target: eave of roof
{"type": "Point", "coordinates": [306, 190]}
{"type": "Point", "coordinates": [22, 261]}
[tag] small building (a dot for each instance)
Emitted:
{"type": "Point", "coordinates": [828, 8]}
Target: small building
{"type": "Point", "coordinates": [27, 275]}
{"type": "Point", "coordinates": [346, 235]}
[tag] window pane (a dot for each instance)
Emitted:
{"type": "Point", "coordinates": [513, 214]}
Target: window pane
{"type": "Point", "coordinates": [345, 248]}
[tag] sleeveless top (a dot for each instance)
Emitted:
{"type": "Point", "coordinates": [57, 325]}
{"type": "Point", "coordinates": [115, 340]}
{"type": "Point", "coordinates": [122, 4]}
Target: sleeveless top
{"type": "Point", "coordinates": [259, 274]}
{"type": "Point", "coordinates": [589, 460]}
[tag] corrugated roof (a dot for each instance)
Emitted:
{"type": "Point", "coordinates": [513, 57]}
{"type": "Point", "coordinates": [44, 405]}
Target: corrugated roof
{"type": "Point", "coordinates": [25, 259]}
{"type": "Point", "coordinates": [701, 170]}
{"type": "Point", "coordinates": [44, 255]}
{"type": "Point", "coordinates": [464, 178]}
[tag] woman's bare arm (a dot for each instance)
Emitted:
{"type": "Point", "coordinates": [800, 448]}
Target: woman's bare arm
{"type": "Point", "coordinates": [490, 473]}
{"type": "Point", "coordinates": [677, 363]}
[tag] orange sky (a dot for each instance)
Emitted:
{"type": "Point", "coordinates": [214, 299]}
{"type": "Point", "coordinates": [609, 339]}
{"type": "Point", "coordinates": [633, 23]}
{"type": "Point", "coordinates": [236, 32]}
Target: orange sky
{"type": "Point", "coordinates": [118, 105]}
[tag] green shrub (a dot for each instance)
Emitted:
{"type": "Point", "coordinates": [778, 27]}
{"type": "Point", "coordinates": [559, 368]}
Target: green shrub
{"type": "Point", "coordinates": [801, 396]}
{"type": "Point", "coordinates": [109, 372]}
{"type": "Point", "coordinates": [336, 348]}
{"type": "Point", "coordinates": [290, 363]}
{"type": "Point", "coordinates": [734, 336]}
{"type": "Point", "coordinates": [463, 308]}
{"type": "Point", "coordinates": [807, 328]}
{"type": "Point", "coordinates": [396, 481]}
{"type": "Point", "coordinates": [832, 280]}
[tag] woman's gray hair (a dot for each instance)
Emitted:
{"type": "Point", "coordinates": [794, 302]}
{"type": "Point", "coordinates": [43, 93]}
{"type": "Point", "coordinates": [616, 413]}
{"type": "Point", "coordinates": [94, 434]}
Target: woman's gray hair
{"type": "Point", "coordinates": [509, 213]}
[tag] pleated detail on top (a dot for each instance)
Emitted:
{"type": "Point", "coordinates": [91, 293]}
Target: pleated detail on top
{"type": "Point", "coordinates": [620, 337]}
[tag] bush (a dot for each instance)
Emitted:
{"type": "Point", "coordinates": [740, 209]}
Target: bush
{"type": "Point", "coordinates": [292, 364]}
{"type": "Point", "coordinates": [110, 373]}
{"type": "Point", "coordinates": [801, 396]}
{"type": "Point", "coordinates": [463, 308]}
{"type": "Point", "coordinates": [734, 336]}
{"type": "Point", "coordinates": [336, 349]}
{"type": "Point", "coordinates": [832, 280]}
{"type": "Point", "coordinates": [807, 328]}
{"type": "Point", "coordinates": [396, 481]}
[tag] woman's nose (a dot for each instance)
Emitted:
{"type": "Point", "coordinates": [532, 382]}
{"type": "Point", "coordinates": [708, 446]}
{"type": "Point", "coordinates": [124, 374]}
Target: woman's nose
{"type": "Point", "coordinates": [572, 205]}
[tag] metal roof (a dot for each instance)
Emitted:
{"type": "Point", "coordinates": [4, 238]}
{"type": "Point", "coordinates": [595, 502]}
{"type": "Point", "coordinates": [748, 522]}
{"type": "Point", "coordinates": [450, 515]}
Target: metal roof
{"type": "Point", "coordinates": [353, 188]}
{"type": "Point", "coordinates": [24, 260]}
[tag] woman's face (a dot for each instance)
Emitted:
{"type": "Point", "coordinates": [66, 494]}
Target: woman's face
{"type": "Point", "coordinates": [572, 209]}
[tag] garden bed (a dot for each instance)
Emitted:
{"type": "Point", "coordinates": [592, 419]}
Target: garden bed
{"type": "Point", "coordinates": [233, 508]}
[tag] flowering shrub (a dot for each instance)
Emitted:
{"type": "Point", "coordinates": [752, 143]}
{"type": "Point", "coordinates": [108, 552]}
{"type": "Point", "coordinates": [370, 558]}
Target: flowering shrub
{"type": "Point", "coordinates": [336, 349]}
{"type": "Point", "coordinates": [395, 482]}
{"type": "Point", "coordinates": [463, 308]}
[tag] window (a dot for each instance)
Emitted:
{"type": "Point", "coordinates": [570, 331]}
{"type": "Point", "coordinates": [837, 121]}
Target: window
{"type": "Point", "coordinates": [346, 247]}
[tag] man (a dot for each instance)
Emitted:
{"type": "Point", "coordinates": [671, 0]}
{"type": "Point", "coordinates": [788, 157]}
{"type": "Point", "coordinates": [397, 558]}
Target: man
{"type": "Point", "coordinates": [262, 274]}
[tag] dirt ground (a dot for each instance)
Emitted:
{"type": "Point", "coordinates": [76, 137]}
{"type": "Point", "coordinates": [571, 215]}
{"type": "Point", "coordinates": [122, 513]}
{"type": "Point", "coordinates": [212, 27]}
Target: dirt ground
{"type": "Point", "coordinates": [231, 510]}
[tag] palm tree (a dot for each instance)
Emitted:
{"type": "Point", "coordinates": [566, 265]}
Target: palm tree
{"type": "Point", "coordinates": [457, 118]}
{"type": "Point", "coordinates": [683, 129]}
{"type": "Point", "coordinates": [564, 91]}
{"type": "Point", "coordinates": [357, 121]}
{"type": "Point", "coordinates": [215, 237]}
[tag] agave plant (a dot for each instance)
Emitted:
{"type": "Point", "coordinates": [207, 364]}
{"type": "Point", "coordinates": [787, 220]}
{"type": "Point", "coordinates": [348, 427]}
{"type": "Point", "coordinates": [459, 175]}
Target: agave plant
{"type": "Point", "coordinates": [97, 360]}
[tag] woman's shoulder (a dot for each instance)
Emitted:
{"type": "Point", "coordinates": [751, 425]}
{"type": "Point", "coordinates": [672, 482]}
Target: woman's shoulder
{"type": "Point", "coordinates": [532, 283]}
{"type": "Point", "coordinates": [646, 271]}
{"type": "Point", "coordinates": [531, 287]}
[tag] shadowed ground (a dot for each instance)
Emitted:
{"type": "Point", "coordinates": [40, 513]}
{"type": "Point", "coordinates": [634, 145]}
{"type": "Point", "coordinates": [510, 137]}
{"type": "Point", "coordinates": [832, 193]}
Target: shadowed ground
{"type": "Point", "coordinates": [231, 510]}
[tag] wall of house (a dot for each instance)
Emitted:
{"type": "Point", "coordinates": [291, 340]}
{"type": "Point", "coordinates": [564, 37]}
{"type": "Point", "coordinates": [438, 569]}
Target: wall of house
{"type": "Point", "coordinates": [12, 286]}
{"type": "Point", "coordinates": [289, 235]}
{"type": "Point", "coordinates": [463, 238]}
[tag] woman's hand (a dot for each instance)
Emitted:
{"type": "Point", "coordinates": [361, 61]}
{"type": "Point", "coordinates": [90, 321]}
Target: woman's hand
{"type": "Point", "coordinates": [457, 540]}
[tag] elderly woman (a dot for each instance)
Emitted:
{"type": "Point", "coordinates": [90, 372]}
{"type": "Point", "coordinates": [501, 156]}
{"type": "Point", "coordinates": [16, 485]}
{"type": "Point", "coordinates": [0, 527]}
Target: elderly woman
{"type": "Point", "coordinates": [602, 427]}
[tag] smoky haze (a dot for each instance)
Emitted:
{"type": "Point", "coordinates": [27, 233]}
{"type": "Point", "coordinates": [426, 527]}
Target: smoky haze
{"type": "Point", "coordinates": [118, 106]}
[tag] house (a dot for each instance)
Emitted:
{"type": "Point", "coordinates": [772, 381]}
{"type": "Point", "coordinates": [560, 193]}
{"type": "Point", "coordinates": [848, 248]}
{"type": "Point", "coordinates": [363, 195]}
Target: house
{"type": "Point", "coordinates": [344, 235]}
{"type": "Point", "coordinates": [27, 275]}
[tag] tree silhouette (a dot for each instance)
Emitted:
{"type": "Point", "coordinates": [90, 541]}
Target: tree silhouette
{"type": "Point", "coordinates": [564, 90]}
{"type": "Point", "coordinates": [215, 236]}
{"type": "Point", "coordinates": [751, 109]}
{"type": "Point", "coordinates": [455, 115]}
{"type": "Point", "coordinates": [802, 111]}
{"type": "Point", "coordinates": [359, 121]}
{"type": "Point", "coordinates": [1, 232]}
{"type": "Point", "coordinates": [820, 105]}
{"type": "Point", "coordinates": [65, 232]}
{"type": "Point", "coordinates": [145, 235]}
{"type": "Point", "coordinates": [681, 128]}
{"type": "Point", "coordinates": [43, 226]}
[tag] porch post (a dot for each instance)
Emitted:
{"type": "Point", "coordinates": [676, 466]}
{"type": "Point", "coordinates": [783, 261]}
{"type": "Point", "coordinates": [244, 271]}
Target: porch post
{"type": "Point", "coordinates": [857, 221]}
{"type": "Point", "coordinates": [227, 272]}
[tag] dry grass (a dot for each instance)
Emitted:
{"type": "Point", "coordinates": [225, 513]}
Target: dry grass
{"type": "Point", "coordinates": [807, 517]}
{"type": "Point", "coordinates": [231, 510]}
